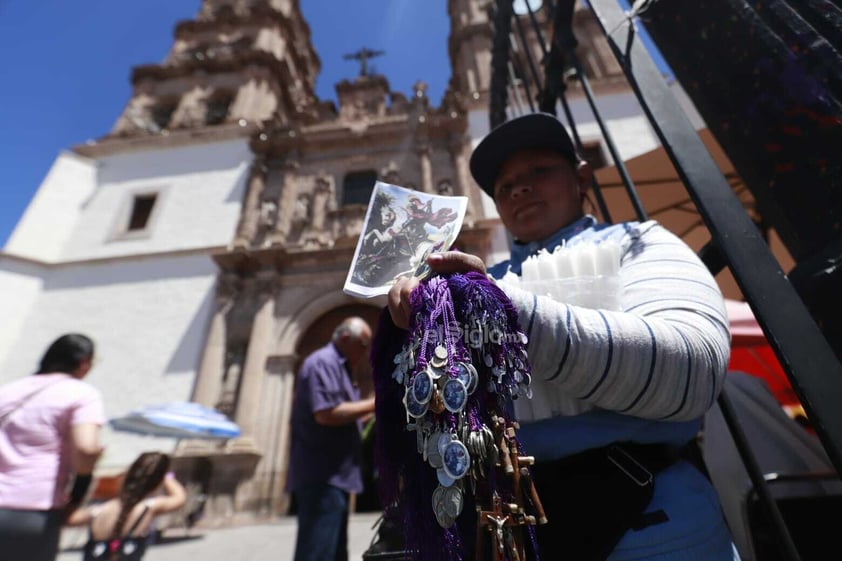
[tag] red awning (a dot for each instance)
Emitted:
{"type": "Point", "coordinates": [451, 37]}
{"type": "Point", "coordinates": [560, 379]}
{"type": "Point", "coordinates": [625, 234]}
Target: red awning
{"type": "Point", "coordinates": [751, 353]}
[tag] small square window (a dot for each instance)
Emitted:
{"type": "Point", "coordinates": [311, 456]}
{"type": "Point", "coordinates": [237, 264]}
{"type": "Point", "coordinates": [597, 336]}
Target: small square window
{"type": "Point", "coordinates": [141, 211]}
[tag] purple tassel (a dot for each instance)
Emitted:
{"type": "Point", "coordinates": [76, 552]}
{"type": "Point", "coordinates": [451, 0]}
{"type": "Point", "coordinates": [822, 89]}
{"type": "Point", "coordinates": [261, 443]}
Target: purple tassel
{"type": "Point", "coordinates": [475, 321]}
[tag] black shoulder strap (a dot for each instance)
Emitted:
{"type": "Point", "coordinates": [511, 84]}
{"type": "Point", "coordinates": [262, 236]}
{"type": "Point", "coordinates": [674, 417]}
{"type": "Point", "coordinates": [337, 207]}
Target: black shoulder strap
{"type": "Point", "coordinates": [137, 522]}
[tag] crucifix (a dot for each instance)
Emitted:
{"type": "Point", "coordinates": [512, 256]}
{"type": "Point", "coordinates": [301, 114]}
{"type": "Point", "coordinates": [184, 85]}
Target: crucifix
{"type": "Point", "coordinates": [363, 55]}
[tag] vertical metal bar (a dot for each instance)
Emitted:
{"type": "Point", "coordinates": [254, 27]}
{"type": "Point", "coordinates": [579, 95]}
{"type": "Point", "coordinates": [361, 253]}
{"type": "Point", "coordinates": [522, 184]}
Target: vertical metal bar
{"type": "Point", "coordinates": [600, 200]}
{"type": "Point", "coordinates": [554, 87]}
{"type": "Point", "coordinates": [515, 69]}
{"type": "Point", "coordinates": [756, 475]}
{"type": "Point", "coordinates": [609, 140]}
{"type": "Point", "coordinates": [537, 28]}
{"type": "Point", "coordinates": [498, 98]}
{"type": "Point", "coordinates": [813, 369]}
{"type": "Point", "coordinates": [515, 86]}
{"type": "Point", "coordinates": [536, 76]}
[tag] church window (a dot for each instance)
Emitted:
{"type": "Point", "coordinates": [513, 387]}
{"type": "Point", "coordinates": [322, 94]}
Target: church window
{"type": "Point", "coordinates": [141, 211]}
{"type": "Point", "coordinates": [218, 106]}
{"type": "Point", "coordinates": [357, 187]}
{"type": "Point", "coordinates": [162, 113]}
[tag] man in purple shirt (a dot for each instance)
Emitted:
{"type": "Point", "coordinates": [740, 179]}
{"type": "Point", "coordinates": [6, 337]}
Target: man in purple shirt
{"type": "Point", "coordinates": [325, 457]}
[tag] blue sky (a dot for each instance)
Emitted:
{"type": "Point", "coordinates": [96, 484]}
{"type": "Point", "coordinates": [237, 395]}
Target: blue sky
{"type": "Point", "coordinates": [65, 67]}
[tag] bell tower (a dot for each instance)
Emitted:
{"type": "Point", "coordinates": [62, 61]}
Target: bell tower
{"type": "Point", "coordinates": [237, 62]}
{"type": "Point", "coordinates": [469, 49]}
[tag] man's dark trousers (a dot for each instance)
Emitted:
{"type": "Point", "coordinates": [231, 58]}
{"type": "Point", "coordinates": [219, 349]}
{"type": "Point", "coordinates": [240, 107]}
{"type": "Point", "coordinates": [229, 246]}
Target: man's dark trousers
{"type": "Point", "coordinates": [322, 523]}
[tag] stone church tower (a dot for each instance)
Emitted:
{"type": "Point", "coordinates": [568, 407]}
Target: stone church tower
{"type": "Point", "coordinates": [279, 288]}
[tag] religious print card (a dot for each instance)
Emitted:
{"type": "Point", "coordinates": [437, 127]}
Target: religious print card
{"type": "Point", "coordinates": [402, 227]}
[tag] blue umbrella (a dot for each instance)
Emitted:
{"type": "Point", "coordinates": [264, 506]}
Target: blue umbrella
{"type": "Point", "coordinates": [177, 420]}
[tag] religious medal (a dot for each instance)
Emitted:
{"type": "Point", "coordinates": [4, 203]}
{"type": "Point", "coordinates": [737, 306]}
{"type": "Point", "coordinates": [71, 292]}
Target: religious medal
{"type": "Point", "coordinates": [452, 501]}
{"type": "Point", "coordinates": [455, 395]}
{"type": "Point", "coordinates": [444, 479]}
{"type": "Point", "coordinates": [466, 372]}
{"type": "Point", "coordinates": [413, 407]}
{"type": "Point", "coordinates": [456, 459]}
{"type": "Point", "coordinates": [422, 386]}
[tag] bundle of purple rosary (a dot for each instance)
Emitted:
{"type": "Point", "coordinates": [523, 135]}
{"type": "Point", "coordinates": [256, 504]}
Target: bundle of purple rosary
{"type": "Point", "coordinates": [447, 452]}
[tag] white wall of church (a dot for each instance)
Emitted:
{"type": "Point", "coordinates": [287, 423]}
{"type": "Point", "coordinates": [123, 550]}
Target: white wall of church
{"type": "Point", "coordinates": [148, 318]}
{"type": "Point", "coordinates": [20, 285]}
{"type": "Point", "coordinates": [55, 209]}
{"type": "Point", "coordinates": [199, 193]}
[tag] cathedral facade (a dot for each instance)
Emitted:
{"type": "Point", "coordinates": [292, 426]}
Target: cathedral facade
{"type": "Point", "coordinates": [204, 241]}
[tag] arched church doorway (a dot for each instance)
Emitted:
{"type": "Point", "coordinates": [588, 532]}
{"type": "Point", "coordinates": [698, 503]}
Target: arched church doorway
{"type": "Point", "coordinates": [317, 335]}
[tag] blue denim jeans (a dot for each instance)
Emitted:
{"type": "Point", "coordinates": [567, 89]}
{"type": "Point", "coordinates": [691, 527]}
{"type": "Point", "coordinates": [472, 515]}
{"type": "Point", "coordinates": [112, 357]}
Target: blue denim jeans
{"type": "Point", "coordinates": [322, 523]}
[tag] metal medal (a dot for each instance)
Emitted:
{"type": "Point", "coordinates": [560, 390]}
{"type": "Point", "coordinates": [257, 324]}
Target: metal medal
{"type": "Point", "coordinates": [444, 439]}
{"type": "Point", "coordinates": [442, 517]}
{"type": "Point", "coordinates": [456, 459]}
{"type": "Point", "coordinates": [444, 479]}
{"type": "Point", "coordinates": [452, 501]}
{"type": "Point", "coordinates": [433, 455]}
{"type": "Point", "coordinates": [466, 372]}
{"type": "Point", "coordinates": [414, 408]}
{"type": "Point", "coordinates": [454, 394]}
{"type": "Point", "coordinates": [435, 373]}
{"type": "Point", "coordinates": [422, 387]}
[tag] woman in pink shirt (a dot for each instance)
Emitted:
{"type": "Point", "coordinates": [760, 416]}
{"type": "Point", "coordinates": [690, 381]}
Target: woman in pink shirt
{"type": "Point", "coordinates": [49, 430]}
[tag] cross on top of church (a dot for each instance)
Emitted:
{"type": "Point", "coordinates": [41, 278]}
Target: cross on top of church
{"type": "Point", "coordinates": [363, 55]}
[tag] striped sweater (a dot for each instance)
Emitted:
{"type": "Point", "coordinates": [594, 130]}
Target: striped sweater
{"type": "Point", "coordinates": [663, 357]}
{"type": "Point", "coordinates": [645, 374]}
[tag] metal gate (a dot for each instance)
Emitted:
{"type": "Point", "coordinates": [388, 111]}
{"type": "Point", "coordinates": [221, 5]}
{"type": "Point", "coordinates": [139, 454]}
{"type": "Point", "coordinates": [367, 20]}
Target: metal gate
{"type": "Point", "coordinates": [806, 341]}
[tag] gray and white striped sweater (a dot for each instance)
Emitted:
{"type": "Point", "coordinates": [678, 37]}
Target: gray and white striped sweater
{"type": "Point", "coordinates": [663, 357]}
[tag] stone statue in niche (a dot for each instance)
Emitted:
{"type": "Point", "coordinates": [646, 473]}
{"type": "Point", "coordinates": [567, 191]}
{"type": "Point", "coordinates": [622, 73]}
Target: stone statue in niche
{"type": "Point", "coordinates": [324, 201]}
{"type": "Point", "coordinates": [192, 112]}
{"type": "Point", "coordinates": [302, 215]}
{"type": "Point", "coordinates": [268, 213]}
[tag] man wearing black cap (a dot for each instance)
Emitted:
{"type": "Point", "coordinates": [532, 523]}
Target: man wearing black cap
{"type": "Point", "coordinates": [529, 167]}
{"type": "Point", "coordinates": [617, 393]}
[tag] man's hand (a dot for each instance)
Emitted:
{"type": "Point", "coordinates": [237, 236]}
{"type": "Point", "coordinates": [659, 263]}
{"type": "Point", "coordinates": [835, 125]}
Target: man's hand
{"type": "Point", "coordinates": [455, 262]}
{"type": "Point", "coordinates": [445, 262]}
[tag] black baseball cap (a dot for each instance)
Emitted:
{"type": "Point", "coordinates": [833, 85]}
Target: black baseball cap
{"type": "Point", "coordinates": [532, 131]}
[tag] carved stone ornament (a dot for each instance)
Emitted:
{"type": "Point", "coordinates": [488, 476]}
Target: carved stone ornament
{"type": "Point", "coordinates": [228, 286]}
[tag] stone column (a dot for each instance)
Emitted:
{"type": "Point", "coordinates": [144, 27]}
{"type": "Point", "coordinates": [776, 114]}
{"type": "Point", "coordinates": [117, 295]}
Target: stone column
{"type": "Point", "coordinates": [462, 184]}
{"type": "Point", "coordinates": [211, 370]}
{"type": "Point", "coordinates": [254, 370]}
{"type": "Point", "coordinates": [275, 431]}
{"type": "Point", "coordinates": [250, 213]}
{"type": "Point", "coordinates": [286, 202]}
{"type": "Point", "coordinates": [426, 168]}
{"type": "Point", "coordinates": [460, 165]}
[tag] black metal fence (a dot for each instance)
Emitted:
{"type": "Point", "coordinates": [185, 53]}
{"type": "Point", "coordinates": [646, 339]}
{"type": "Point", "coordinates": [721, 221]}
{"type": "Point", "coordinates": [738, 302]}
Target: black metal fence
{"type": "Point", "coordinates": [756, 54]}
